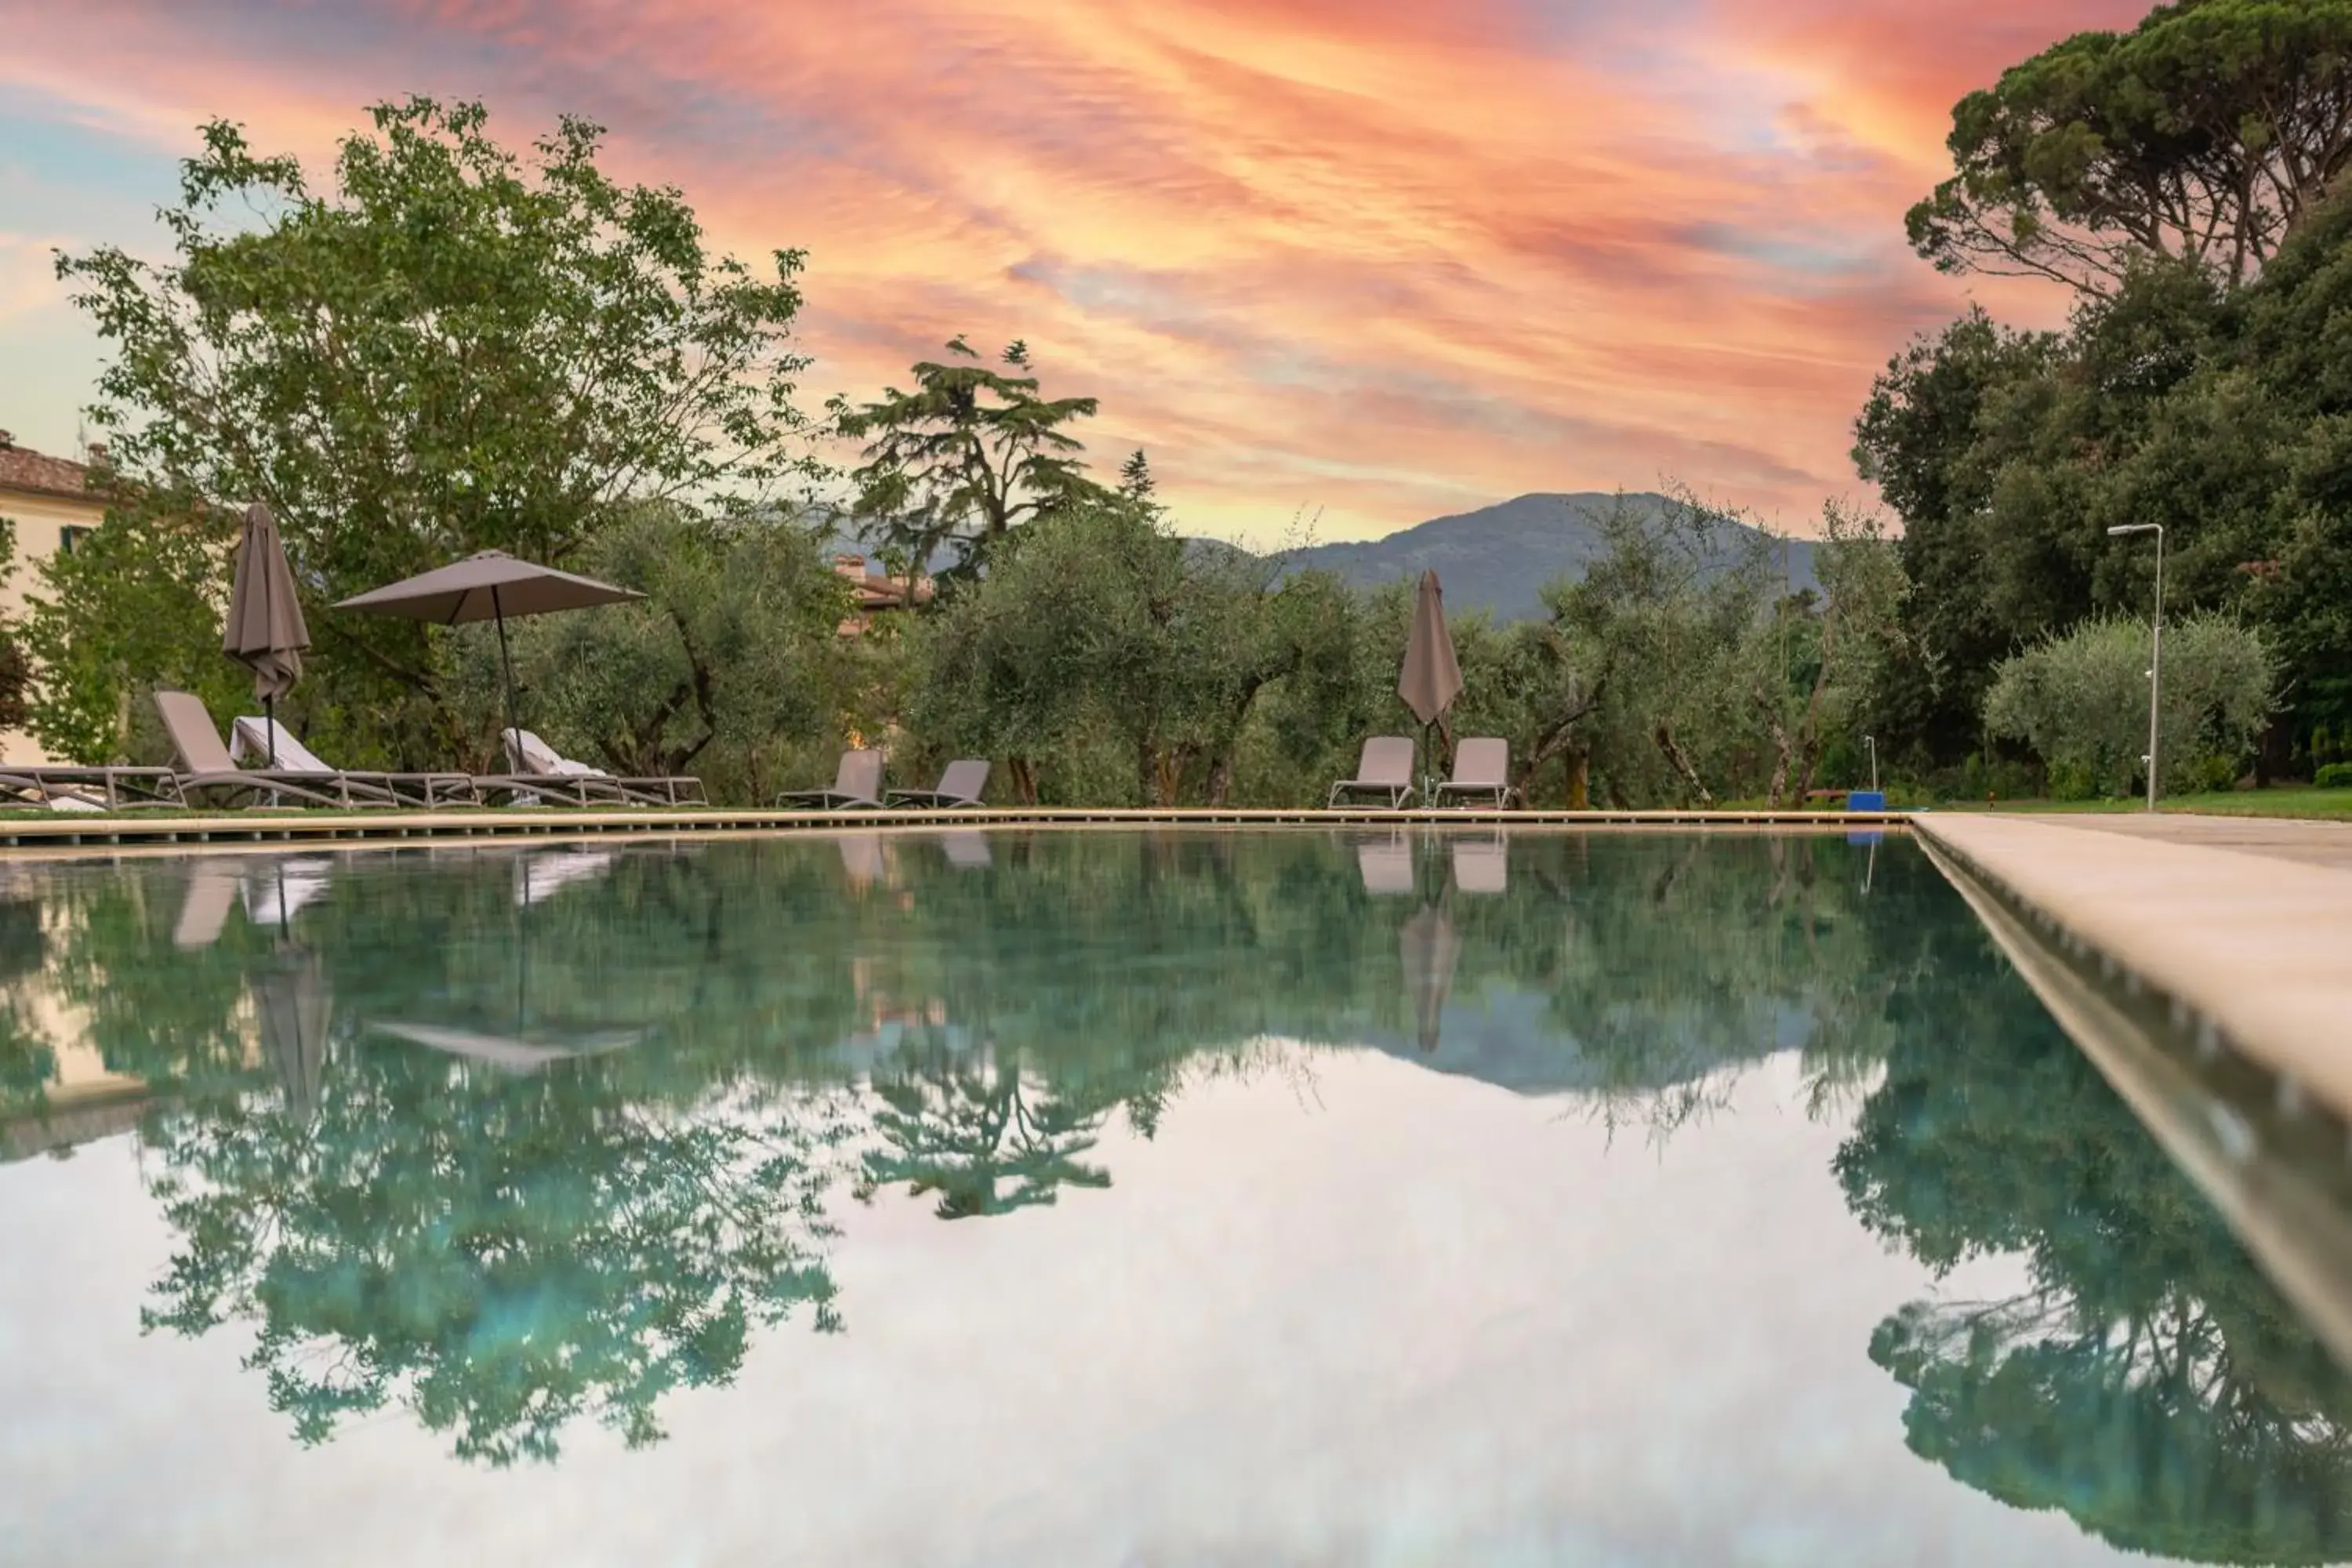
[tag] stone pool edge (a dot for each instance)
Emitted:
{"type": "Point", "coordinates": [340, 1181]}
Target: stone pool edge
{"type": "Point", "coordinates": [34, 836]}
{"type": "Point", "coordinates": [2252, 953]}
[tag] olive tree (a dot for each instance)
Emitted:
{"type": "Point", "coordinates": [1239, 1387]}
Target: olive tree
{"type": "Point", "coordinates": [2080, 700]}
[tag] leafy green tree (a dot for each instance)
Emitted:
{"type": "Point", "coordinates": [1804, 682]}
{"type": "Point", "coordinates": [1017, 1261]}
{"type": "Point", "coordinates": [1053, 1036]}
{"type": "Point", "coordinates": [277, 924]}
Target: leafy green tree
{"type": "Point", "coordinates": [968, 455]}
{"type": "Point", "coordinates": [2081, 701]}
{"type": "Point", "coordinates": [2204, 135]}
{"type": "Point", "coordinates": [454, 349]}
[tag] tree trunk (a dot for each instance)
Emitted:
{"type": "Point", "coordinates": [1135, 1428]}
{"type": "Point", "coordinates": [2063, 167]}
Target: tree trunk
{"type": "Point", "coordinates": [1022, 771]}
{"type": "Point", "coordinates": [1579, 779]}
{"type": "Point", "coordinates": [1673, 749]}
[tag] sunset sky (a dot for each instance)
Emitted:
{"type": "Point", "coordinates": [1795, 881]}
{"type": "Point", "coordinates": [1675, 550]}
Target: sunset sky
{"type": "Point", "coordinates": [1386, 259]}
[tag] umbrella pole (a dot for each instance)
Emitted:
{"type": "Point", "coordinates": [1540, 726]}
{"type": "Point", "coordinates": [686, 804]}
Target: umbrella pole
{"type": "Point", "coordinates": [269, 731]}
{"type": "Point", "coordinates": [506, 663]}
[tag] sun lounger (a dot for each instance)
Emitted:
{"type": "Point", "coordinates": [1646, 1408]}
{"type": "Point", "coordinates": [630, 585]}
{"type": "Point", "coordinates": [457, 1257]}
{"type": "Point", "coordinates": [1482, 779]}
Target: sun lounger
{"type": "Point", "coordinates": [961, 786]}
{"type": "Point", "coordinates": [251, 737]}
{"type": "Point", "coordinates": [537, 766]}
{"type": "Point", "coordinates": [65, 788]}
{"type": "Point", "coordinates": [206, 766]}
{"type": "Point", "coordinates": [537, 877]}
{"type": "Point", "coordinates": [967, 850]}
{"type": "Point", "coordinates": [857, 781]}
{"type": "Point", "coordinates": [1481, 768]}
{"type": "Point", "coordinates": [1385, 769]}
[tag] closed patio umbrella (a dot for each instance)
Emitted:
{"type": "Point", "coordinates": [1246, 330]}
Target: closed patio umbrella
{"type": "Point", "coordinates": [489, 585]}
{"type": "Point", "coordinates": [1432, 678]}
{"type": "Point", "coordinates": [265, 629]}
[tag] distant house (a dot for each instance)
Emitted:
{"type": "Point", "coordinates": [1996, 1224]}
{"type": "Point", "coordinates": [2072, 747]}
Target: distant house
{"type": "Point", "coordinates": [53, 505]}
{"type": "Point", "coordinates": [878, 593]}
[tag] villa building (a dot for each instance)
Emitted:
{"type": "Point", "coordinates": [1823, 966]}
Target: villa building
{"type": "Point", "coordinates": [52, 504]}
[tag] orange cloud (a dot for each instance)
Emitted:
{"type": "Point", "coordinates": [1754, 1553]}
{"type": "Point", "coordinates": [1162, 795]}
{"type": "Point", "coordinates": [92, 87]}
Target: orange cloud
{"type": "Point", "coordinates": [1375, 255]}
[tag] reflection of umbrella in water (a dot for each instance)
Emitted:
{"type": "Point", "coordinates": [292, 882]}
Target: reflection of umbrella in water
{"type": "Point", "coordinates": [527, 1048]}
{"type": "Point", "coordinates": [291, 1004]}
{"type": "Point", "coordinates": [1429, 947]}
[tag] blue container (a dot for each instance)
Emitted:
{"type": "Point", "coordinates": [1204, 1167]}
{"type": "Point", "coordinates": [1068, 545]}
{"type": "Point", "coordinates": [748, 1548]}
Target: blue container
{"type": "Point", "coordinates": [1866, 800]}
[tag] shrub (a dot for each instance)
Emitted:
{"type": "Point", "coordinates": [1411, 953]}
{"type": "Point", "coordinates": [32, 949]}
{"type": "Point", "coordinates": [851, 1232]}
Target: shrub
{"type": "Point", "coordinates": [2080, 700]}
{"type": "Point", "coordinates": [2334, 775]}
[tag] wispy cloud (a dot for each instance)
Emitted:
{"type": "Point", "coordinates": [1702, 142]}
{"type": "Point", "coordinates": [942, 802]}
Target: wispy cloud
{"type": "Point", "coordinates": [1378, 256]}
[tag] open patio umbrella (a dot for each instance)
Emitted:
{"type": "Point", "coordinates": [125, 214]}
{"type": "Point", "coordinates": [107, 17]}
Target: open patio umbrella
{"type": "Point", "coordinates": [265, 629]}
{"type": "Point", "coordinates": [1432, 678]}
{"type": "Point", "coordinates": [489, 585]}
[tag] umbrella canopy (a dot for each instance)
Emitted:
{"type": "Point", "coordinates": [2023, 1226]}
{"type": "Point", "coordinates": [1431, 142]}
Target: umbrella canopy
{"type": "Point", "coordinates": [265, 629]}
{"type": "Point", "coordinates": [488, 585]}
{"type": "Point", "coordinates": [1432, 678]}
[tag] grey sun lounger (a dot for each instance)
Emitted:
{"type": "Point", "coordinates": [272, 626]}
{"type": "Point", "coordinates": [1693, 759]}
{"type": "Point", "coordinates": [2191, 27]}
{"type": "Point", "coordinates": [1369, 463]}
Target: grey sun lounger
{"type": "Point", "coordinates": [249, 736]}
{"type": "Point", "coordinates": [541, 771]}
{"type": "Point", "coordinates": [206, 766]}
{"type": "Point", "coordinates": [1481, 767]}
{"type": "Point", "coordinates": [961, 786]}
{"type": "Point", "coordinates": [857, 781]}
{"type": "Point", "coordinates": [1385, 769]}
{"type": "Point", "coordinates": [68, 788]}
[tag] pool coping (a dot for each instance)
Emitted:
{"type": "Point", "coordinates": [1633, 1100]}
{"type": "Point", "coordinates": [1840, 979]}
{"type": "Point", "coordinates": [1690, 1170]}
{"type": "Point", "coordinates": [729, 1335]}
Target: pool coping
{"type": "Point", "coordinates": [34, 836]}
{"type": "Point", "coordinates": [2251, 954]}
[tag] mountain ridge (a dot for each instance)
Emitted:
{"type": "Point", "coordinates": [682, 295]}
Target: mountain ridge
{"type": "Point", "coordinates": [1498, 558]}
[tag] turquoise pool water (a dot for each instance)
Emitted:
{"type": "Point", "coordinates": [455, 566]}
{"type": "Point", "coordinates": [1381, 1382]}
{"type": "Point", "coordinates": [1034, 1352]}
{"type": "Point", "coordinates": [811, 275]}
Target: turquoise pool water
{"type": "Point", "coordinates": [1102, 1198]}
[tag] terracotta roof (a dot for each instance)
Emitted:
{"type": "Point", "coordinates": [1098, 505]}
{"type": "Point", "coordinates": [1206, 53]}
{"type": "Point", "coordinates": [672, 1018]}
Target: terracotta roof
{"type": "Point", "coordinates": [24, 469]}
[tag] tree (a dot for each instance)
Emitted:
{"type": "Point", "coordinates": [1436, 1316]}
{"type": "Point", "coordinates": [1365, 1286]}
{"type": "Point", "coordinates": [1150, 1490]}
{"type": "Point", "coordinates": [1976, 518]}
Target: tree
{"type": "Point", "coordinates": [454, 349]}
{"type": "Point", "coordinates": [2081, 701]}
{"type": "Point", "coordinates": [2203, 135]}
{"type": "Point", "coordinates": [968, 455]}
{"type": "Point", "coordinates": [15, 670]}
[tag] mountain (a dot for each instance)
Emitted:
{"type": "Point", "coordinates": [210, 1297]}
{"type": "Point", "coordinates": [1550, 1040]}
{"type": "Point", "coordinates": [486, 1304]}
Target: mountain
{"type": "Point", "coordinates": [1499, 557]}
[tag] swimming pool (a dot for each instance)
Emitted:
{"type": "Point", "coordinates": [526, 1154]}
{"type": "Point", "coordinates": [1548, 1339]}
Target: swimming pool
{"type": "Point", "coordinates": [1038, 1196]}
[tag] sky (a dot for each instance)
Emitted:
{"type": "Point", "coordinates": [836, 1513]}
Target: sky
{"type": "Point", "coordinates": [1337, 264]}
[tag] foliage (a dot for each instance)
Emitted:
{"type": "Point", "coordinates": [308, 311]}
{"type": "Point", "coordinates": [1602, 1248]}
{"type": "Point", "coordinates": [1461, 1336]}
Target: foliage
{"type": "Point", "coordinates": [457, 349]}
{"type": "Point", "coordinates": [2147, 1379]}
{"type": "Point", "coordinates": [1097, 621]}
{"type": "Point", "coordinates": [726, 668]}
{"type": "Point", "coordinates": [972, 453]}
{"type": "Point", "coordinates": [2333, 776]}
{"type": "Point", "coordinates": [2080, 700]}
{"type": "Point", "coordinates": [136, 605]}
{"type": "Point", "coordinates": [2205, 134]}
{"type": "Point", "coordinates": [16, 670]}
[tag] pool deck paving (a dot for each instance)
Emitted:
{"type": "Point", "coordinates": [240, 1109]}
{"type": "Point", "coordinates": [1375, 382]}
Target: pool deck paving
{"type": "Point", "coordinates": [2244, 926]}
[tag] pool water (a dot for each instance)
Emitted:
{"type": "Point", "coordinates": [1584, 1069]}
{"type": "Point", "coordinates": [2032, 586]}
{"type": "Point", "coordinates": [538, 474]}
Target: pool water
{"type": "Point", "coordinates": [1090, 1196]}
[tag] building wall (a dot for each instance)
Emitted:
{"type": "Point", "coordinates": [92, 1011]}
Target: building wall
{"type": "Point", "coordinates": [41, 523]}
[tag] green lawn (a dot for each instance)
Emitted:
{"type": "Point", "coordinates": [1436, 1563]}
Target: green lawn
{"type": "Point", "coordinates": [2285, 802]}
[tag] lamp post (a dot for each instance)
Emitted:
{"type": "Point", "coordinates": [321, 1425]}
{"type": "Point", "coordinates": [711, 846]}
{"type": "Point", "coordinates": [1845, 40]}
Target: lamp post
{"type": "Point", "coordinates": [1871, 741]}
{"type": "Point", "coordinates": [2154, 646]}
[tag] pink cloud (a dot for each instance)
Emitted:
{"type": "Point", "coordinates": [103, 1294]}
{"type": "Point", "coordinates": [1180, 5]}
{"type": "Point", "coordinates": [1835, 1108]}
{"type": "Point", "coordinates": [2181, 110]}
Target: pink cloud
{"type": "Point", "coordinates": [1380, 255]}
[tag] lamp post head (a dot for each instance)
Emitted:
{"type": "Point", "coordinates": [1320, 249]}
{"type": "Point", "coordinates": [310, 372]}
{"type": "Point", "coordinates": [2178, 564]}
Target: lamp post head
{"type": "Point", "coordinates": [2136, 528]}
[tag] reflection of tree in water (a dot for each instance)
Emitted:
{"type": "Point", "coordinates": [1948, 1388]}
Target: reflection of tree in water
{"type": "Point", "coordinates": [26, 1060]}
{"type": "Point", "coordinates": [2148, 1380]}
{"type": "Point", "coordinates": [503, 1255]}
{"type": "Point", "coordinates": [986, 1142]}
